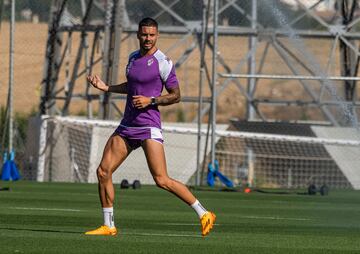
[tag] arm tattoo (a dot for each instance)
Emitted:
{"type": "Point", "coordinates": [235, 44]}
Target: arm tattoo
{"type": "Point", "coordinates": [121, 88]}
{"type": "Point", "coordinates": [172, 97]}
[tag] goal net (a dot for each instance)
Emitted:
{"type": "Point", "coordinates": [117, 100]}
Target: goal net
{"type": "Point", "coordinates": [69, 150]}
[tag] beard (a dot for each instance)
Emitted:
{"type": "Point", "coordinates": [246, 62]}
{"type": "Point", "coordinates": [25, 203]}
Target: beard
{"type": "Point", "coordinates": [148, 44]}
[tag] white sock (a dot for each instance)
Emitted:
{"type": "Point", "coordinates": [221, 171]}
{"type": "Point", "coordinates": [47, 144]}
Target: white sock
{"type": "Point", "coordinates": [199, 209]}
{"type": "Point", "coordinates": [108, 217]}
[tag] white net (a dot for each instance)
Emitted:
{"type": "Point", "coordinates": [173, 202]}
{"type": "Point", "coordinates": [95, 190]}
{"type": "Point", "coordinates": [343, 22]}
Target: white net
{"type": "Point", "coordinates": [72, 150]}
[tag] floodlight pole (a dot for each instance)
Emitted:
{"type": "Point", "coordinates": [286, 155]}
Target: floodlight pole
{"type": "Point", "coordinates": [252, 62]}
{"type": "Point", "coordinates": [204, 28]}
{"type": "Point", "coordinates": [113, 32]}
{"type": "Point", "coordinates": [214, 80]}
{"type": "Point", "coordinates": [11, 75]}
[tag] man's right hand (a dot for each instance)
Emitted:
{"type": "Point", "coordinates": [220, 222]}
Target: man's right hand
{"type": "Point", "coordinates": [96, 82]}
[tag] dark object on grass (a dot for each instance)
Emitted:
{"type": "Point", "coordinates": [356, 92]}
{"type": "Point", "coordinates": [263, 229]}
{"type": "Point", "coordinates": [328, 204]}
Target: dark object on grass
{"type": "Point", "coordinates": [312, 189]}
{"type": "Point", "coordinates": [125, 184]}
{"type": "Point", "coordinates": [136, 184]}
{"type": "Point", "coordinates": [324, 190]}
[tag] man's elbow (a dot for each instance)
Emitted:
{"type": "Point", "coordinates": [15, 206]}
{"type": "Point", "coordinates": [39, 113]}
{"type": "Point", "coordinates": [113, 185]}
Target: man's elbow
{"type": "Point", "coordinates": [177, 98]}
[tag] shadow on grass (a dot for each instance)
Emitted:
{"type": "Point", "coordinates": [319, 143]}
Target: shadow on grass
{"type": "Point", "coordinates": [41, 230]}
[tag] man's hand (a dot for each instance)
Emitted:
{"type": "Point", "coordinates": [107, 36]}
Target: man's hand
{"type": "Point", "coordinates": [140, 101]}
{"type": "Point", "coordinates": [96, 82]}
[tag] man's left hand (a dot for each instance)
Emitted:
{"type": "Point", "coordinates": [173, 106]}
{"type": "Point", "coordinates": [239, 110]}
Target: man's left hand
{"type": "Point", "coordinates": [140, 101]}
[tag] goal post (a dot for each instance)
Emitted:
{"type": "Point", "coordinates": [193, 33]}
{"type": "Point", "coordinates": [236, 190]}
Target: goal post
{"type": "Point", "coordinates": [70, 150]}
{"type": "Point", "coordinates": [73, 149]}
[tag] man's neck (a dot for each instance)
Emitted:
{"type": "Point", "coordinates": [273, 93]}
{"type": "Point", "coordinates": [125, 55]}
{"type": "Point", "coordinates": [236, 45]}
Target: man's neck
{"type": "Point", "coordinates": [148, 52]}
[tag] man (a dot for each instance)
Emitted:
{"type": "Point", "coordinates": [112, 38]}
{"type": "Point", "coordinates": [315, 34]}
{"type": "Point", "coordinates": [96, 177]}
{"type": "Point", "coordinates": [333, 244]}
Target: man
{"type": "Point", "coordinates": [147, 72]}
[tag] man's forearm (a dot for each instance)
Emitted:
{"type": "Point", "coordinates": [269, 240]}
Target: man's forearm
{"type": "Point", "coordinates": [168, 99]}
{"type": "Point", "coordinates": [121, 88]}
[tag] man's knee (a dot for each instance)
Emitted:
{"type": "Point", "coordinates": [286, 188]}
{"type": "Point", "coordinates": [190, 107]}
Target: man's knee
{"type": "Point", "coordinates": [163, 182]}
{"type": "Point", "coordinates": [103, 174]}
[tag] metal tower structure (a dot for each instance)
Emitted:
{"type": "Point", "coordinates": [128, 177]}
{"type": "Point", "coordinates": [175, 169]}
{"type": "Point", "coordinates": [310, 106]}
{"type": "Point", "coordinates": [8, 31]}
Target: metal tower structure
{"type": "Point", "coordinates": [103, 22]}
{"type": "Point", "coordinates": [112, 23]}
{"type": "Point", "coordinates": [340, 29]}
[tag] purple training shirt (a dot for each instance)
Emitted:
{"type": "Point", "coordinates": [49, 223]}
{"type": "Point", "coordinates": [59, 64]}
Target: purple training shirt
{"type": "Point", "coordinates": [147, 76]}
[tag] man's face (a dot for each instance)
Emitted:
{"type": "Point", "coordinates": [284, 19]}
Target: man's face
{"type": "Point", "coordinates": [147, 36]}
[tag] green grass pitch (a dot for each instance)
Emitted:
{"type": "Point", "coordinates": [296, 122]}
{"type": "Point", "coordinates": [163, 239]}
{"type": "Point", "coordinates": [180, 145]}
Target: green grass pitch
{"type": "Point", "coordinates": [52, 217]}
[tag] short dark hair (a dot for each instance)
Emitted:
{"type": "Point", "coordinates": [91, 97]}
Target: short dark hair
{"type": "Point", "coordinates": [148, 22]}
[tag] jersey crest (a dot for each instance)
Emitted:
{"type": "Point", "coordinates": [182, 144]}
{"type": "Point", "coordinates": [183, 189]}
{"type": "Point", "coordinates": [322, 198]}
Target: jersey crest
{"type": "Point", "coordinates": [150, 62]}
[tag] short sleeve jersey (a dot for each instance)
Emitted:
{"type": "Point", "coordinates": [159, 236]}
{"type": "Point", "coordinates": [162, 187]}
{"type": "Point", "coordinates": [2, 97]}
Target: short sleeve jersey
{"type": "Point", "coordinates": [147, 76]}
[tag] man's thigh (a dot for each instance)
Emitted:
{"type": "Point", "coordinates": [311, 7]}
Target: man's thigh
{"type": "Point", "coordinates": [155, 157]}
{"type": "Point", "coordinates": [115, 152]}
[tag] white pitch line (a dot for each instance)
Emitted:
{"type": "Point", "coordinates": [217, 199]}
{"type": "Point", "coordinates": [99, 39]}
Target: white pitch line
{"type": "Point", "coordinates": [274, 218]}
{"type": "Point", "coordinates": [166, 235]}
{"type": "Point", "coordinates": [183, 224]}
{"type": "Point", "coordinates": [45, 209]}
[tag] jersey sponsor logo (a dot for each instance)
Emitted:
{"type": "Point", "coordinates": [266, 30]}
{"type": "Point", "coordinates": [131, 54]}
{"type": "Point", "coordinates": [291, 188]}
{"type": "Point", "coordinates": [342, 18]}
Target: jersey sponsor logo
{"type": "Point", "coordinates": [150, 62]}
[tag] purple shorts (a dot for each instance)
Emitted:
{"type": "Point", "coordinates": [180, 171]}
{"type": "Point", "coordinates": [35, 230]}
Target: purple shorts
{"type": "Point", "coordinates": [134, 136]}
